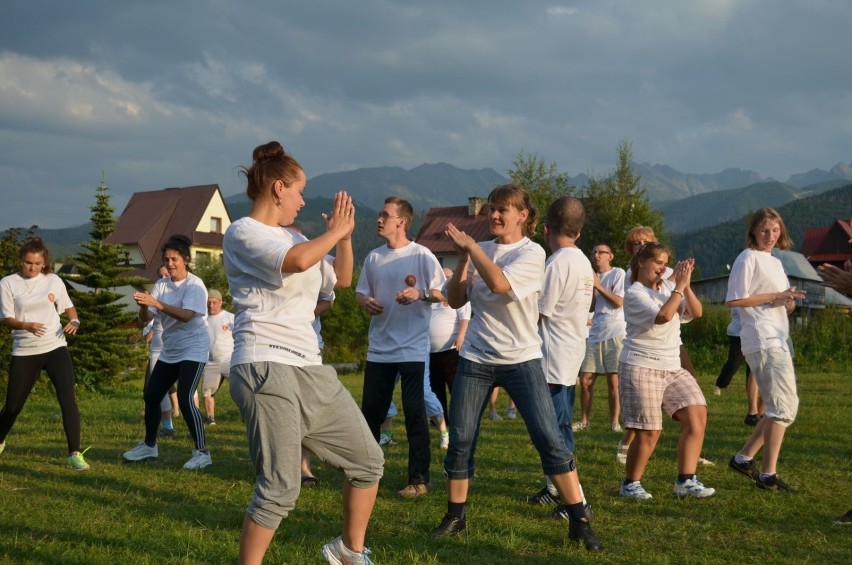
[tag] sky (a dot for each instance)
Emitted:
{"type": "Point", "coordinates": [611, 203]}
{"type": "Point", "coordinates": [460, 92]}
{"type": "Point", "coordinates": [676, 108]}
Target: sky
{"type": "Point", "coordinates": [168, 93]}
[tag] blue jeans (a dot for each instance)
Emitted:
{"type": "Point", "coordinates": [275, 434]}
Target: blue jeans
{"type": "Point", "coordinates": [526, 385]}
{"type": "Point", "coordinates": [563, 403]}
{"type": "Point", "coordinates": [379, 382]}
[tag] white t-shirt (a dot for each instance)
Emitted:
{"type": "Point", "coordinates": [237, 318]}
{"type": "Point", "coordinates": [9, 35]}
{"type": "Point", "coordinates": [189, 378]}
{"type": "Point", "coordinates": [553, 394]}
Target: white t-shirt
{"type": "Point", "coordinates": [401, 332]}
{"type": "Point", "coordinates": [220, 328]}
{"type": "Point", "coordinates": [273, 310]}
{"type": "Point", "coordinates": [764, 326]}
{"type": "Point", "coordinates": [566, 297]}
{"type": "Point", "coordinates": [37, 299]}
{"type": "Point", "coordinates": [183, 341]}
{"type": "Point", "coordinates": [656, 346]}
{"type": "Point", "coordinates": [444, 325]}
{"type": "Point", "coordinates": [503, 328]}
{"type": "Point", "coordinates": [329, 281]}
{"type": "Point", "coordinates": [608, 321]}
{"type": "Point", "coordinates": [735, 327]}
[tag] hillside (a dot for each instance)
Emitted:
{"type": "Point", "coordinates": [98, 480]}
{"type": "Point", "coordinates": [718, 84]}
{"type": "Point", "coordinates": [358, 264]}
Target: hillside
{"type": "Point", "coordinates": [713, 208]}
{"type": "Point", "coordinates": [663, 183]}
{"type": "Point", "coordinates": [717, 246]}
{"type": "Point", "coordinates": [426, 186]}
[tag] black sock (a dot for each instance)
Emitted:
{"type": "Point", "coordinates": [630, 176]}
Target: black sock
{"type": "Point", "coordinates": [576, 511]}
{"type": "Point", "coordinates": [682, 478]}
{"type": "Point", "coordinates": [456, 509]}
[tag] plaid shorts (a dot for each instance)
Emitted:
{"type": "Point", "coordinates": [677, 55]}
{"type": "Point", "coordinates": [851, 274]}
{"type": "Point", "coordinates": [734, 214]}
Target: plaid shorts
{"type": "Point", "coordinates": [644, 391]}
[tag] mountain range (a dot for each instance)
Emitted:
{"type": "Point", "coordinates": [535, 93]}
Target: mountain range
{"type": "Point", "coordinates": [688, 201]}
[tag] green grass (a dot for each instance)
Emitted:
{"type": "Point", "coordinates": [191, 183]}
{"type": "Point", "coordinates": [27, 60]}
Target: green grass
{"type": "Point", "coordinates": [158, 513]}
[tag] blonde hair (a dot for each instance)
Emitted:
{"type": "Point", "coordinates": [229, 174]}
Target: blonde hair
{"type": "Point", "coordinates": [513, 194]}
{"type": "Point", "coordinates": [772, 215]}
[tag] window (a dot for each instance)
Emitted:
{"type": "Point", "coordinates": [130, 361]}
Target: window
{"type": "Point", "coordinates": [215, 225]}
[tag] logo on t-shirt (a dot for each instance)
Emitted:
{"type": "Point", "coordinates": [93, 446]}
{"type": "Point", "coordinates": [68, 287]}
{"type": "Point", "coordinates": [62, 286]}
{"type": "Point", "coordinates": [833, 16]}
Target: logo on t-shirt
{"type": "Point", "coordinates": [410, 280]}
{"type": "Point", "coordinates": [50, 297]}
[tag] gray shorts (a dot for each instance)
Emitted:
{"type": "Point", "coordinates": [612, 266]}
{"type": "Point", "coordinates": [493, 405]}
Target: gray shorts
{"type": "Point", "coordinates": [214, 373]}
{"type": "Point", "coordinates": [286, 407]}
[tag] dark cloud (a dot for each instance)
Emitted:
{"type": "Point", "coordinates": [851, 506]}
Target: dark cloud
{"type": "Point", "coordinates": [178, 93]}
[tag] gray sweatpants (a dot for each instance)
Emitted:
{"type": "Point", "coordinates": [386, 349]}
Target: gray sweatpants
{"type": "Point", "coordinates": [285, 407]}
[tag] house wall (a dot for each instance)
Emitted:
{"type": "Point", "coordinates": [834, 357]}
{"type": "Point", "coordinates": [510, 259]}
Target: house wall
{"type": "Point", "coordinates": [204, 249]}
{"type": "Point", "coordinates": [215, 209]}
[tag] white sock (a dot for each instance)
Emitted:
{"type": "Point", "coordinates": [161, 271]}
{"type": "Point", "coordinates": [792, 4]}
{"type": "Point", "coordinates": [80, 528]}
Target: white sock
{"type": "Point", "coordinates": [740, 458]}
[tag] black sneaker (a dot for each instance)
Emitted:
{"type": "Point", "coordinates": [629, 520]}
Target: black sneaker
{"type": "Point", "coordinates": [582, 531]}
{"type": "Point", "coordinates": [543, 497]}
{"type": "Point", "coordinates": [561, 512]}
{"type": "Point", "coordinates": [772, 482]}
{"type": "Point", "coordinates": [751, 419]}
{"type": "Point", "coordinates": [844, 520]}
{"type": "Point", "coordinates": [450, 526]}
{"type": "Point", "coordinates": [746, 468]}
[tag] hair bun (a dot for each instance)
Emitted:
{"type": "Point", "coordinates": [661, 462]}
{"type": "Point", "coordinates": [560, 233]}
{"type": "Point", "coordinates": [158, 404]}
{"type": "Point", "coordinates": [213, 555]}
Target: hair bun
{"type": "Point", "coordinates": [269, 151]}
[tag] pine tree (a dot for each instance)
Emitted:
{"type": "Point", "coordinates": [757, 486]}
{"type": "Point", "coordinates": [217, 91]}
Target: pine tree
{"type": "Point", "coordinates": [616, 203]}
{"type": "Point", "coordinates": [104, 346]}
{"type": "Point", "coordinates": [543, 182]}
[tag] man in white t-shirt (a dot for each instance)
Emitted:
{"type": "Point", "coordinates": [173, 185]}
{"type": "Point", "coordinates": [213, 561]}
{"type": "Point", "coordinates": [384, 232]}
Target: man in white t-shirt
{"type": "Point", "coordinates": [606, 337]}
{"type": "Point", "coordinates": [220, 326]}
{"type": "Point", "coordinates": [564, 304]}
{"type": "Point", "coordinates": [398, 284]}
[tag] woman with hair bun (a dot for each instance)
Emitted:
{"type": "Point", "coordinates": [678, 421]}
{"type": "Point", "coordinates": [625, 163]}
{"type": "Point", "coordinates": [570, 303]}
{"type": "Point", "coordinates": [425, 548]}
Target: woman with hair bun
{"type": "Point", "coordinates": [32, 300]}
{"type": "Point", "coordinates": [180, 303]}
{"type": "Point", "coordinates": [287, 397]}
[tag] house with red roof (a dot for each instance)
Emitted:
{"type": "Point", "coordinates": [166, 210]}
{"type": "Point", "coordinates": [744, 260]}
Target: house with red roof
{"type": "Point", "coordinates": [471, 219]}
{"type": "Point", "coordinates": [828, 244]}
{"type": "Point", "coordinates": [150, 218]}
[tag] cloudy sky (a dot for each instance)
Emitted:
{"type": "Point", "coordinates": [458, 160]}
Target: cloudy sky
{"type": "Point", "coordinates": [178, 92]}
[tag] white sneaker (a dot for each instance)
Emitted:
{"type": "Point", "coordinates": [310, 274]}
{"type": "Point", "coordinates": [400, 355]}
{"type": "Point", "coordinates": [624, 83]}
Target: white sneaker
{"type": "Point", "coordinates": [635, 490]}
{"type": "Point", "coordinates": [495, 416]}
{"type": "Point", "coordinates": [141, 452]}
{"type": "Point", "coordinates": [385, 439]}
{"type": "Point", "coordinates": [511, 413]}
{"type": "Point", "coordinates": [199, 460]}
{"type": "Point", "coordinates": [717, 391]}
{"type": "Point", "coordinates": [337, 553]}
{"type": "Point", "coordinates": [702, 461]}
{"type": "Point", "coordinates": [445, 442]}
{"type": "Point", "coordinates": [580, 426]}
{"type": "Point", "coordinates": [692, 487]}
{"type": "Point", "coordinates": [616, 427]}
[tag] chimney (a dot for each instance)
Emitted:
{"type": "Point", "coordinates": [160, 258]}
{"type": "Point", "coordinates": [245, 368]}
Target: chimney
{"type": "Point", "coordinates": [474, 205]}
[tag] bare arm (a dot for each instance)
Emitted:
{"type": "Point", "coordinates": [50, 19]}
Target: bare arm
{"type": "Point", "coordinates": [146, 301]}
{"type": "Point", "coordinates": [614, 299]}
{"type": "Point", "coordinates": [773, 299]}
{"type": "Point", "coordinates": [457, 287]}
{"type": "Point", "coordinates": [339, 226]}
{"type": "Point", "coordinates": [491, 274]}
{"type": "Point", "coordinates": [462, 332]}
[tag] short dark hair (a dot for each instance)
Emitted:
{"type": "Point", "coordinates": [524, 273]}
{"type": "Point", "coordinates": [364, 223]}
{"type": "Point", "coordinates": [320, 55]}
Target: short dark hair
{"type": "Point", "coordinates": [566, 216]}
{"type": "Point", "coordinates": [180, 243]}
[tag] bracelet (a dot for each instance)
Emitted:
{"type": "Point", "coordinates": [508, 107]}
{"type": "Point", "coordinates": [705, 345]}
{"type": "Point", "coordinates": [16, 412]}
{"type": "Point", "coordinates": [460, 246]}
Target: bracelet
{"type": "Point", "coordinates": [75, 322]}
{"type": "Point", "coordinates": [676, 291]}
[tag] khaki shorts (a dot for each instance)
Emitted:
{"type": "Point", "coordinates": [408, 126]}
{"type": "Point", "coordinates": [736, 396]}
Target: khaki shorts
{"type": "Point", "coordinates": [214, 374]}
{"type": "Point", "coordinates": [776, 381]}
{"type": "Point", "coordinates": [602, 357]}
{"type": "Point", "coordinates": [643, 392]}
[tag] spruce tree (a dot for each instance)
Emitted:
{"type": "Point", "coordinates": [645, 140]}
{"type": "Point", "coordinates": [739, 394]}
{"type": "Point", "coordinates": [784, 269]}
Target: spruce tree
{"type": "Point", "coordinates": [10, 262]}
{"type": "Point", "coordinates": [105, 345]}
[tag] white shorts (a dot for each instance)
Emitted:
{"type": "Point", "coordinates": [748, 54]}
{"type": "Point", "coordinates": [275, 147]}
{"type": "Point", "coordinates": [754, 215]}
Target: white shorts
{"type": "Point", "coordinates": [776, 381]}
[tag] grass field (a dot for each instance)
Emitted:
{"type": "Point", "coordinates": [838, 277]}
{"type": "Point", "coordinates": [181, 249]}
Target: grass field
{"type": "Point", "coordinates": [158, 513]}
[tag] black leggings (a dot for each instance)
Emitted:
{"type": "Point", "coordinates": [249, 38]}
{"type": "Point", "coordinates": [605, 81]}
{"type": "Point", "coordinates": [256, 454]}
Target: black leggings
{"type": "Point", "coordinates": [735, 359]}
{"type": "Point", "coordinates": [23, 372]}
{"type": "Point", "coordinates": [164, 375]}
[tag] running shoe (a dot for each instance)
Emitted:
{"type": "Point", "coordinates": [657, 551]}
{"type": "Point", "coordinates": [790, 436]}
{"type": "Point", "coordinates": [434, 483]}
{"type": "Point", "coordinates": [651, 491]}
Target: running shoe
{"type": "Point", "coordinates": [337, 553]}
{"type": "Point", "coordinates": [141, 452]}
{"type": "Point", "coordinates": [634, 490]}
{"type": "Point", "coordinates": [199, 460]}
{"type": "Point", "coordinates": [76, 461]}
{"type": "Point", "coordinates": [692, 487]}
